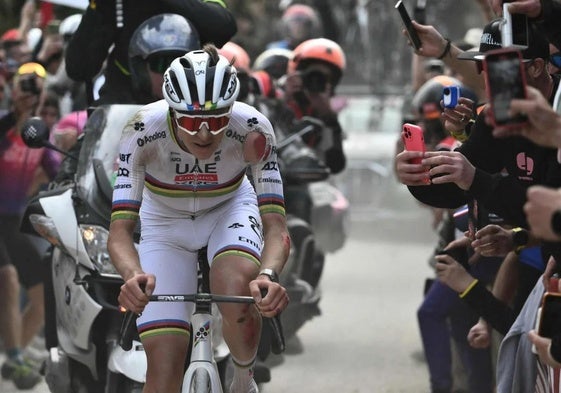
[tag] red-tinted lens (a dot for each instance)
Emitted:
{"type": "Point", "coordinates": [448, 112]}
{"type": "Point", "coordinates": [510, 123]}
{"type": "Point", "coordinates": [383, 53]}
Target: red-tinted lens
{"type": "Point", "coordinates": [189, 123]}
{"type": "Point", "coordinates": [195, 123]}
{"type": "Point", "coordinates": [217, 123]}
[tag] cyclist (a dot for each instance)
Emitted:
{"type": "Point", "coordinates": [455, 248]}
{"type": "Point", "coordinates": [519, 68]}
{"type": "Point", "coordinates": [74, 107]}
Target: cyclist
{"type": "Point", "coordinates": [182, 170]}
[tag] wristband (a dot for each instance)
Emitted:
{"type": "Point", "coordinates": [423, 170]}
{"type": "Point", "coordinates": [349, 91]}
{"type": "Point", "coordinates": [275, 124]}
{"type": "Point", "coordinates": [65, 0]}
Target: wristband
{"type": "Point", "coordinates": [469, 288]}
{"type": "Point", "coordinates": [446, 49]}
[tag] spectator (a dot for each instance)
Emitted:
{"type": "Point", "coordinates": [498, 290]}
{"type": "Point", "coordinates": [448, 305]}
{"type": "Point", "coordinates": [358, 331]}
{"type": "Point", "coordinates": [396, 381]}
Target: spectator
{"type": "Point", "coordinates": [18, 255]}
{"type": "Point", "coordinates": [298, 23]}
{"type": "Point", "coordinates": [314, 74]}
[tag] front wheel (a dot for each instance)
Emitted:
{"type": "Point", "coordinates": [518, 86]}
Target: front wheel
{"type": "Point", "coordinates": [200, 382]}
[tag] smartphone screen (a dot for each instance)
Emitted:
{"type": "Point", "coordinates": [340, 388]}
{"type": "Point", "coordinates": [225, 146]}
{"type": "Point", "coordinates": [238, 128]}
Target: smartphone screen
{"type": "Point", "coordinates": [550, 318]}
{"type": "Point", "coordinates": [505, 81]}
{"type": "Point", "coordinates": [413, 37]}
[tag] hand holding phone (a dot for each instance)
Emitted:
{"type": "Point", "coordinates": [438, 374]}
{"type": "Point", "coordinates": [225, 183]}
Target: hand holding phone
{"type": "Point", "coordinates": [411, 32]}
{"type": "Point", "coordinates": [413, 140]}
{"type": "Point", "coordinates": [506, 80]}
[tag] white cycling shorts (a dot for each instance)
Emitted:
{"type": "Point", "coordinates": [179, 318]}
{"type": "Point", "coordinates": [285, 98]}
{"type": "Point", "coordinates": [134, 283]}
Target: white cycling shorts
{"type": "Point", "coordinates": [169, 249]}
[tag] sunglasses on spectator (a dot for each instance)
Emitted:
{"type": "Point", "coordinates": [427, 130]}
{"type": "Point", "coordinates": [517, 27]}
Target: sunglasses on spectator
{"type": "Point", "coordinates": [192, 124]}
{"type": "Point", "coordinates": [555, 59]}
{"type": "Point", "coordinates": [159, 63]}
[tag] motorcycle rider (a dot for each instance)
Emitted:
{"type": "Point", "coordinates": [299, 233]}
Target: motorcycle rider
{"type": "Point", "coordinates": [99, 30]}
{"type": "Point", "coordinates": [202, 193]}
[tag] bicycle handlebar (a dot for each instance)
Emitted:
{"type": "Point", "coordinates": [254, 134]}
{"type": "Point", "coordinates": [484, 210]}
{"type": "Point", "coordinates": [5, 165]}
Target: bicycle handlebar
{"type": "Point", "coordinates": [127, 332]}
{"type": "Point", "coordinates": [202, 298]}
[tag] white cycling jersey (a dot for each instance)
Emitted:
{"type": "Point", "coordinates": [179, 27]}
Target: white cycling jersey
{"type": "Point", "coordinates": [171, 182]}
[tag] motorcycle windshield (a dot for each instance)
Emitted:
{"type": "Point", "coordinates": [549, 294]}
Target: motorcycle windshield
{"type": "Point", "coordinates": [99, 156]}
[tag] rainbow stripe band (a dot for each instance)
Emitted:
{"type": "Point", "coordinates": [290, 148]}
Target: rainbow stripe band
{"type": "Point", "coordinates": [239, 252]}
{"type": "Point", "coordinates": [271, 203]}
{"type": "Point", "coordinates": [125, 209]}
{"type": "Point", "coordinates": [164, 327]}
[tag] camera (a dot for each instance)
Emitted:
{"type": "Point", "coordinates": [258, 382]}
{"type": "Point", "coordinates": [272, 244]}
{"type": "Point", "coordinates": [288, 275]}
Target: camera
{"type": "Point", "coordinates": [450, 96]}
{"type": "Point", "coordinates": [315, 81]}
{"type": "Point", "coordinates": [29, 85]}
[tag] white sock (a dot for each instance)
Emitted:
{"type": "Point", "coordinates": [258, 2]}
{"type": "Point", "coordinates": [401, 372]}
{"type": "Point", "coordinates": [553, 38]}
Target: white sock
{"type": "Point", "coordinates": [242, 381]}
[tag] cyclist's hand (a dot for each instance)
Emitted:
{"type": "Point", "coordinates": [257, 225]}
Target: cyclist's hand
{"type": "Point", "coordinates": [133, 297]}
{"type": "Point", "coordinates": [275, 300]}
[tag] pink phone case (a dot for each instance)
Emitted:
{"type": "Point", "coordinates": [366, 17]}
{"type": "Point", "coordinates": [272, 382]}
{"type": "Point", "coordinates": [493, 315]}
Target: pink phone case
{"type": "Point", "coordinates": [413, 139]}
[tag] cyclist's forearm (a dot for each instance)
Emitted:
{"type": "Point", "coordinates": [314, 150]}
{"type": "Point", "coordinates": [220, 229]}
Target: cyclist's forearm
{"type": "Point", "coordinates": [276, 243]}
{"type": "Point", "coordinates": [121, 248]}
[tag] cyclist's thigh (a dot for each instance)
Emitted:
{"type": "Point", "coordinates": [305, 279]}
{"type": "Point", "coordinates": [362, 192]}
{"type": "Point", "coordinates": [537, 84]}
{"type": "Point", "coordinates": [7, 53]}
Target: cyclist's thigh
{"type": "Point", "coordinates": [238, 232]}
{"type": "Point", "coordinates": [176, 273]}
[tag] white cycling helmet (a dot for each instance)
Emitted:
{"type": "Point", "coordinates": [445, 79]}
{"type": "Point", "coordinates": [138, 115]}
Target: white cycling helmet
{"type": "Point", "coordinates": [199, 81]}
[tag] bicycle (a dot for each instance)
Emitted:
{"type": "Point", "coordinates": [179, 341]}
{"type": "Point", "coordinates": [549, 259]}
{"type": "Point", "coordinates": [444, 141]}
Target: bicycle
{"type": "Point", "coordinates": [202, 375]}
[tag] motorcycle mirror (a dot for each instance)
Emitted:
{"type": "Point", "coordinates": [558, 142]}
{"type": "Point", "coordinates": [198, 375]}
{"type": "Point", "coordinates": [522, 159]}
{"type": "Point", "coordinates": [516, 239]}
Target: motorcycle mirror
{"type": "Point", "coordinates": [35, 133]}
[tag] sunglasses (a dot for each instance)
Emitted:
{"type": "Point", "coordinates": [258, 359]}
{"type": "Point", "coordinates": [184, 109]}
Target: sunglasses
{"type": "Point", "coordinates": [555, 59]}
{"type": "Point", "coordinates": [160, 63]}
{"type": "Point", "coordinates": [193, 124]}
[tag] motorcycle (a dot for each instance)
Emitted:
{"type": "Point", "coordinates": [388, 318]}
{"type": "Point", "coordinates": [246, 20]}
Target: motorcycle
{"type": "Point", "coordinates": [317, 219]}
{"type": "Point", "coordinates": [83, 318]}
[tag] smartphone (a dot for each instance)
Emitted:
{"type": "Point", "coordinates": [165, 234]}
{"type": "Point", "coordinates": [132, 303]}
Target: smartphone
{"type": "Point", "coordinates": [514, 30]}
{"type": "Point", "coordinates": [506, 80]}
{"type": "Point", "coordinates": [413, 37]}
{"type": "Point", "coordinates": [413, 140]}
{"type": "Point", "coordinates": [549, 323]}
{"type": "Point", "coordinates": [450, 96]}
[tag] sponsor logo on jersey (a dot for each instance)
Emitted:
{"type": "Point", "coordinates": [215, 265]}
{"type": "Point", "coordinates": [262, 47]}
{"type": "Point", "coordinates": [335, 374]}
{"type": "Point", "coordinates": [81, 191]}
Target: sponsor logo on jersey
{"type": "Point", "coordinates": [150, 138]}
{"type": "Point", "coordinates": [196, 173]}
{"type": "Point", "coordinates": [235, 136]}
{"type": "Point", "coordinates": [252, 122]}
{"type": "Point", "coordinates": [266, 180]}
{"type": "Point", "coordinates": [124, 157]}
{"type": "Point", "coordinates": [270, 166]}
{"type": "Point", "coordinates": [123, 172]}
{"type": "Point", "coordinates": [118, 186]}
